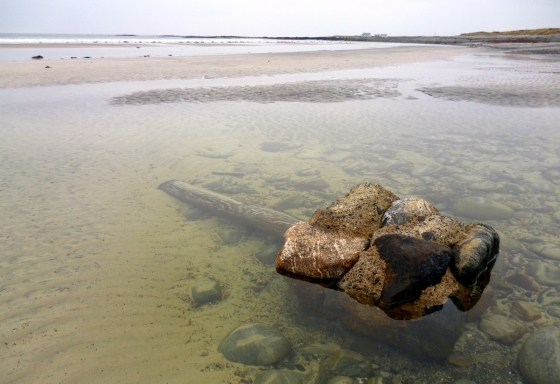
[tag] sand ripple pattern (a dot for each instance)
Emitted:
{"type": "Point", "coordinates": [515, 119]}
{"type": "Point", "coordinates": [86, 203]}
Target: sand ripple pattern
{"type": "Point", "coordinates": [508, 96]}
{"type": "Point", "coordinates": [535, 84]}
{"type": "Point", "coordinates": [320, 91]}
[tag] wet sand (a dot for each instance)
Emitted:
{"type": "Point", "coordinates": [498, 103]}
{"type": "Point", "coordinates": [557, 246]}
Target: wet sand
{"type": "Point", "coordinates": [81, 71]}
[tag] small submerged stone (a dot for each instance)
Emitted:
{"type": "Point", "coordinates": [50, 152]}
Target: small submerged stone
{"type": "Point", "coordinates": [277, 376]}
{"type": "Point", "coordinates": [502, 329]}
{"type": "Point", "coordinates": [229, 236]}
{"type": "Point", "coordinates": [254, 344]}
{"type": "Point", "coordinates": [544, 273]}
{"type": "Point", "coordinates": [346, 363]}
{"type": "Point", "coordinates": [525, 311]}
{"type": "Point", "coordinates": [206, 291]}
{"type": "Point", "coordinates": [276, 146]}
{"type": "Point", "coordinates": [289, 202]}
{"type": "Point", "coordinates": [549, 251]}
{"type": "Point", "coordinates": [480, 208]}
{"type": "Point", "coordinates": [317, 184]}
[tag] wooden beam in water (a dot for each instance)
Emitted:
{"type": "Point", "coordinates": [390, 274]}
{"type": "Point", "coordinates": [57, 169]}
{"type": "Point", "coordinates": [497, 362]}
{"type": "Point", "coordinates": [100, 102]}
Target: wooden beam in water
{"type": "Point", "coordinates": [262, 218]}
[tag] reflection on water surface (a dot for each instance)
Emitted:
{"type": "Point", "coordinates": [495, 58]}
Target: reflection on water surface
{"type": "Point", "coordinates": [98, 264]}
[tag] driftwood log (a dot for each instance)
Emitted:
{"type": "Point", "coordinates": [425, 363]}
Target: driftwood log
{"type": "Point", "coordinates": [262, 218]}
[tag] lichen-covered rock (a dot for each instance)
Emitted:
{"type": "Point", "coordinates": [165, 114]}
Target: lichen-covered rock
{"type": "Point", "coordinates": [437, 229]}
{"type": "Point", "coordinates": [405, 210]}
{"type": "Point", "coordinates": [358, 213]}
{"type": "Point", "coordinates": [364, 282]}
{"type": "Point", "coordinates": [319, 253]}
{"type": "Point", "coordinates": [411, 266]}
{"type": "Point", "coordinates": [472, 255]}
{"type": "Point", "coordinates": [254, 344]}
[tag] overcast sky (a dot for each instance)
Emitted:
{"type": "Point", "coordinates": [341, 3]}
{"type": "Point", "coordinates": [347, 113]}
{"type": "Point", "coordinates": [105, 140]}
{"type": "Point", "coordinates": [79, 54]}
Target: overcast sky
{"type": "Point", "coordinates": [275, 18]}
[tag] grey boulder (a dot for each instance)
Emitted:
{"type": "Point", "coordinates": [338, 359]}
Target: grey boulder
{"type": "Point", "coordinates": [539, 357]}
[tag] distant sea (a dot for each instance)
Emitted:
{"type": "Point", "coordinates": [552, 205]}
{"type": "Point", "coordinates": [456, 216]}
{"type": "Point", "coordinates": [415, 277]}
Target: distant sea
{"type": "Point", "coordinates": [148, 45]}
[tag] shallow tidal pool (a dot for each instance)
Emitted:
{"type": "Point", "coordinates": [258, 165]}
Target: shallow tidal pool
{"type": "Point", "coordinates": [97, 264]}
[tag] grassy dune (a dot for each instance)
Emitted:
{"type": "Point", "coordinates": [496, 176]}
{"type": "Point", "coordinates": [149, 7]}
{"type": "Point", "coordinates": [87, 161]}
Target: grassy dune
{"type": "Point", "coordinates": [541, 31]}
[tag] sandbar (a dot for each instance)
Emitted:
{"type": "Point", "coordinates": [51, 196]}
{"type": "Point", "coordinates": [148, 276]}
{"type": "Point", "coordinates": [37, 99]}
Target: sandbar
{"type": "Point", "coordinates": [98, 70]}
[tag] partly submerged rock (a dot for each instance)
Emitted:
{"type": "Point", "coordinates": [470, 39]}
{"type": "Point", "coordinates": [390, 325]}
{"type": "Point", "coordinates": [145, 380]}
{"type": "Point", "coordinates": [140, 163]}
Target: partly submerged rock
{"type": "Point", "coordinates": [254, 344]}
{"type": "Point", "coordinates": [539, 357]}
{"type": "Point", "coordinates": [406, 259]}
{"type": "Point", "coordinates": [474, 254]}
{"type": "Point", "coordinates": [319, 253]}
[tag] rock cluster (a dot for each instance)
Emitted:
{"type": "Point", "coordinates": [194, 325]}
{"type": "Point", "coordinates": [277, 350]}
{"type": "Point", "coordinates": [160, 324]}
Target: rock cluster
{"type": "Point", "coordinates": [399, 255]}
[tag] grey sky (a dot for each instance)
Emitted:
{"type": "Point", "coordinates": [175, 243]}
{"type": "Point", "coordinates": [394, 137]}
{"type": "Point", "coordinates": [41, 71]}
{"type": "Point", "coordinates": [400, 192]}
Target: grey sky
{"type": "Point", "coordinates": [275, 18]}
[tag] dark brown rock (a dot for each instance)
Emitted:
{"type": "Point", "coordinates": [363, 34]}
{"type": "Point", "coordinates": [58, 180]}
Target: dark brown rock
{"type": "Point", "coordinates": [319, 253]}
{"type": "Point", "coordinates": [475, 253]}
{"type": "Point", "coordinates": [411, 265]}
{"type": "Point", "coordinates": [358, 213]}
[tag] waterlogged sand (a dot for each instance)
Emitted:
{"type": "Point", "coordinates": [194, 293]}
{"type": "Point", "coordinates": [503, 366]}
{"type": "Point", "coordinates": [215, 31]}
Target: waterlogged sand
{"type": "Point", "coordinates": [80, 71]}
{"type": "Point", "coordinates": [97, 264]}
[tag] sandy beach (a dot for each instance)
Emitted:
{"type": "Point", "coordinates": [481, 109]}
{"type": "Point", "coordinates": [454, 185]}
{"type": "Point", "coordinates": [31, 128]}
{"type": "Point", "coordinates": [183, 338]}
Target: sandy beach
{"type": "Point", "coordinates": [98, 264]}
{"type": "Point", "coordinates": [82, 71]}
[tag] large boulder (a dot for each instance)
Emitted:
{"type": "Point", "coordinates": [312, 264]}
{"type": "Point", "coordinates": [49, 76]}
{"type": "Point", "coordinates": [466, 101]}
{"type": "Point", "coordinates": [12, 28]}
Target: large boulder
{"type": "Point", "coordinates": [539, 357]}
{"type": "Point", "coordinates": [254, 344]}
{"type": "Point", "coordinates": [400, 256]}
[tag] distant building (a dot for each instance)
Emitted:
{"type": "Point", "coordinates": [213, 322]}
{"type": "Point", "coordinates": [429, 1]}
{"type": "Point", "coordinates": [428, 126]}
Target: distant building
{"type": "Point", "coordinates": [381, 35]}
{"type": "Point", "coordinates": [366, 34]}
